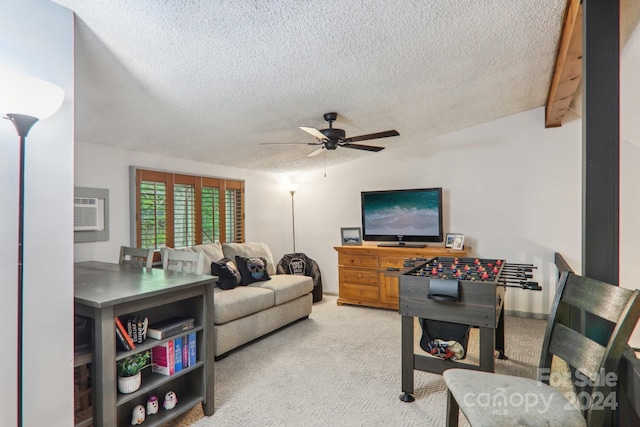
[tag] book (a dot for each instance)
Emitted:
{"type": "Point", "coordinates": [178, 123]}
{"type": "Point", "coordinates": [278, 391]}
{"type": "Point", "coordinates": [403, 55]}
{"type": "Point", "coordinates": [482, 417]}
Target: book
{"type": "Point", "coordinates": [185, 351]}
{"type": "Point", "coordinates": [177, 347]}
{"type": "Point", "coordinates": [121, 340]}
{"type": "Point", "coordinates": [192, 348]}
{"type": "Point", "coordinates": [169, 327]}
{"type": "Point", "coordinates": [123, 332]}
{"type": "Point", "coordinates": [163, 358]}
{"type": "Point", "coordinates": [134, 329]}
{"type": "Point", "coordinates": [129, 330]}
{"type": "Point", "coordinates": [143, 324]}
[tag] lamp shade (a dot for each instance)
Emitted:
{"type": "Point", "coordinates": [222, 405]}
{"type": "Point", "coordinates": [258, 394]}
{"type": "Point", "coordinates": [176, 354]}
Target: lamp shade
{"type": "Point", "coordinates": [292, 187]}
{"type": "Point", "coordinates": [21, 94]}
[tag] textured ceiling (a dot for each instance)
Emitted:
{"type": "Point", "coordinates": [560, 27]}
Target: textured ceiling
{"type": "Point", "coordinates": [212, 80]}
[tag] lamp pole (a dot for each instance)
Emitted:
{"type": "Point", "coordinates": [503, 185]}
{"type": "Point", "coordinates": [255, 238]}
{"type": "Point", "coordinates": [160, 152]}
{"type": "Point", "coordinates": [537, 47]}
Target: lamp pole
{"type": "Point", "coordinates": [23, 124]}
{"type": "Point", "coordinates": [293, 220]}
{"type": "Point", "coordinates": [25, 100]}
{"type": "Point", "coordinates": [292, 187]}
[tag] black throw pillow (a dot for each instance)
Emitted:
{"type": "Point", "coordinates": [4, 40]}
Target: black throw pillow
{"type": "Point", "coordinates": [227, 272]}
{"type": "Point", "coordinates": [252, 269]}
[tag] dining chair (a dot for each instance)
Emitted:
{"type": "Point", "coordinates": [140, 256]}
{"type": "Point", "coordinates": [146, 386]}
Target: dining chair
{"type": "Point", "coordinates": [488, 399]}
{"type": "Point", "coordinates": [136, 256]}
{"type": "Point", "coordinates": [182, 261]}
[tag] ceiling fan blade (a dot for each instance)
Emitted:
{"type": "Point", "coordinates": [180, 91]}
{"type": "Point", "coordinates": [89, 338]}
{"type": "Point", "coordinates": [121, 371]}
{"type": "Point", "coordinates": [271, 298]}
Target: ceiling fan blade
{"type": "Point", "coordinates": [314, 132]}
{"type": "Point", "coordinates": [363, 147]}
{"type": "Point", "coordinates": [385, 134]}
{"type": "Point", "coordinates": [316, 152]}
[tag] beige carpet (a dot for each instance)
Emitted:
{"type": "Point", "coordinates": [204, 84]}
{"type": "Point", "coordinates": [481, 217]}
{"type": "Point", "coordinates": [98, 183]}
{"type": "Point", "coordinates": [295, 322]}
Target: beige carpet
{"type": "Point", "coordinates": [341, 367]}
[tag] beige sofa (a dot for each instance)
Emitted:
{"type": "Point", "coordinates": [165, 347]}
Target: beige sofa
{"type": "Point", "coordinates": [248, 312]}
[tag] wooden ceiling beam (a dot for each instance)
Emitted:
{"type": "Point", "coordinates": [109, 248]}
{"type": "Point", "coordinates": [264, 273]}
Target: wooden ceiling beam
{"type": "Point", "coordinates": [567, 72]}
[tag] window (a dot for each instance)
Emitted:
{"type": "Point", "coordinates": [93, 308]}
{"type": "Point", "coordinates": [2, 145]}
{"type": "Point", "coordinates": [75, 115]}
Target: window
{"type": "Point", "coordinates": [176, 210]}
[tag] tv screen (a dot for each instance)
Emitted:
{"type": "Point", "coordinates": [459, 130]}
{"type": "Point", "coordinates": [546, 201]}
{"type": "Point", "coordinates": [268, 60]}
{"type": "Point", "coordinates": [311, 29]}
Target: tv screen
{"type": "Point", "coordinates": [402, 216]}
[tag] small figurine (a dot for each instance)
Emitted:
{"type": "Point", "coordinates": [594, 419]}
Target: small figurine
{"type": "Point", "coordinates": [170, 400]}
{"type": "Point", "coordinates": [138, 416]}
{"type": "Point", "coordinates": [152, 405]}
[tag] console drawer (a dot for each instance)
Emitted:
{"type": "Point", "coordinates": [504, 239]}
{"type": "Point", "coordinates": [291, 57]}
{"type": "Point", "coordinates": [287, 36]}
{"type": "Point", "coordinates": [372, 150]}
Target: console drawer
{"type": "Point", "coordinates": [358, 276]}
{"type": "Point", "coordinates": [392, 261]}
{"type": "Point", "coordinates": [357, 260]}
{"type": "Point", "coordinates": [359, 292]}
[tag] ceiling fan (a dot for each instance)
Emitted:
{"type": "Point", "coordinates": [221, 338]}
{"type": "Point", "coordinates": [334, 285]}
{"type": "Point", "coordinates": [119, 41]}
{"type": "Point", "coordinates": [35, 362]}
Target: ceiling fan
{"type": "Point", "coordinates": [332, 138]}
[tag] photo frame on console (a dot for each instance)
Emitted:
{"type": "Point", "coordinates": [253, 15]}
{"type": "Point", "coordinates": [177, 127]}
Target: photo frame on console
{"type": "Point", "coordinates": [458, 242]}
{"type": "Point", "coordinates": [448, 243]}
{"type": "Point", "coordinates": [351, 236]}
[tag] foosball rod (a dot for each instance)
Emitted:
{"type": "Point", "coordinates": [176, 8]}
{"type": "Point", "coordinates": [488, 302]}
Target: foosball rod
{"type": "Point", "coordinates": [525, 287]}
{"type": "Point", "coordinates": [532, 286]}
{"type": "Point", "coordinates": [523, 275]}
{"type": "Point", "coordinates": [517, 270]}
{"type": "Point", "coordinates": [520, 265]}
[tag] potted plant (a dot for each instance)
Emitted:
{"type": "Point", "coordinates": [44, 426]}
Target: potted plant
{"type": "Point", "coordinates": [130, 371]}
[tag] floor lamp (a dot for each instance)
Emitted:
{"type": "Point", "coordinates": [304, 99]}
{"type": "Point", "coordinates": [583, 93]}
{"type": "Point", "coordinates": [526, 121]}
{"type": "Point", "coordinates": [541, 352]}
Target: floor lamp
{"type": "Point", "coordinates": [292, 187]}
{"type": "Point", "coordinates": [24, 100]}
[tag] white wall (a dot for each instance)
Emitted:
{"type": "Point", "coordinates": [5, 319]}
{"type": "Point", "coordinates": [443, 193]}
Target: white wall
{"type": "Point", "coordinates": [36, 38]}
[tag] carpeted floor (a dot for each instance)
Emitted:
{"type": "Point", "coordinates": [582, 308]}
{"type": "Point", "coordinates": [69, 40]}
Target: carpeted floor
{"type": "Point", "coordinates": [341, 367]}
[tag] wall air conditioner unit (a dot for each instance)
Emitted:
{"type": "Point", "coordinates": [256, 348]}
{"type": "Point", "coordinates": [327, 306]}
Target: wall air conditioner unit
{"type": "Point", "coordinates": [88, 214]}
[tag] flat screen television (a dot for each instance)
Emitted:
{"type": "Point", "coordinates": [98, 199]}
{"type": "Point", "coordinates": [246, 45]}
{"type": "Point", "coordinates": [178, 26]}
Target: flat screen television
{"type": "Point", "coordinates": [399, 216]}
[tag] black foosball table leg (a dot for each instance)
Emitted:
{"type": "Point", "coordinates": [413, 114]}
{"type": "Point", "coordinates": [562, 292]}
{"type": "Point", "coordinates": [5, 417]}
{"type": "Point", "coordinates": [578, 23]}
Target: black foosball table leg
{"type": "Point", "coordinates": [500, 336]}
{"type": "Point", "coordinates": [407, 359]}
{"type": "Point", "coordinates": [406, 397]}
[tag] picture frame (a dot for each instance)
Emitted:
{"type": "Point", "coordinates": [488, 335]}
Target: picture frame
{"type": "Point", "coordinates": [351, 236]}
{"type": "Point", "coordinates": [448, 242]}
{"type": "Point", "coordinates": [458, 242]}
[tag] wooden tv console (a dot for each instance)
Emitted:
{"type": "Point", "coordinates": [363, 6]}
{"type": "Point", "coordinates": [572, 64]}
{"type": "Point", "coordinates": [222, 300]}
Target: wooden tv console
{"type": "Point", "coordinates": [364, 278]}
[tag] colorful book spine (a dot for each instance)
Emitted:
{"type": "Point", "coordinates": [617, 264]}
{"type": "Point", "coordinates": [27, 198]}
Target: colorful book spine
{"type": "Point", "coordinates": [177, 347]}
{"type": "Point", "coordinates": [185, 351]}
{"type": "Point", "coordinates": [123, 331]}
{"type": "Point", "coordinates": [143, 323]}
{"type": "Point", "coordinates": [121, 340]}
{"type": "Point", "coordinates": [163, 358]}
{"type": "Point", "coordinates": [134, 328]}
{"type": "Point", "coordinates": [129, 326]}
{"type": "Point", "coordinates": [192, 349]}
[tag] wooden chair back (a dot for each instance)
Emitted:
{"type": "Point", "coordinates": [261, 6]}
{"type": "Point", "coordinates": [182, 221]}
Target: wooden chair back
{"type": "Point", "coordinates": [183, 261]}
{"type": "Point", "coordinates": [136, 256]}
{"type": "Point", "coordinates": [591, 355]}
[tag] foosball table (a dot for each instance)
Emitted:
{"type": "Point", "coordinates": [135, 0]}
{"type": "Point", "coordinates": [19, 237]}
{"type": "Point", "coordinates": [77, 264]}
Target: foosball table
{"type": "Point", "coordinates": [464, 291]}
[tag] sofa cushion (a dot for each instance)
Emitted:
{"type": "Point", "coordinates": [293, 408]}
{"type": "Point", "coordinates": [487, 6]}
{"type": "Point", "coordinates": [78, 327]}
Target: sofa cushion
{"type": "Point", "coordinates": [286, 287]}
{"type": "Point", "coordinates": [239, 302]}
{"type": "Point", "coordinates": [228, 274]}
{"type": "Point", "coordinates": [252, 269]}
{"type": "Point", "coordinates": [212, 253]}
{"type": "Point", "coordinates": [250, 250]}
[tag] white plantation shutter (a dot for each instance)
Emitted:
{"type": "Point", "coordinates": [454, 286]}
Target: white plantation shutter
{"type": "Point", "coordinates": [153, 215]}
{"type": "Point", "coordinates": [210, 214]}
{"type": "Point", "coordinates": [184, 216]}
{"type": "Point", "coordinates": [234, 224]}
{"type": "Point", "coordinates": [177, 210]}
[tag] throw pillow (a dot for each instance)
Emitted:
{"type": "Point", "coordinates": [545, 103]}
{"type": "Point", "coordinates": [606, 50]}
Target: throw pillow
{"type": "Point", "coordinates": [228, 274]}
{"type": "Point", "coordinates": [250, 250]}
{"type": "Point", "coordinates": [252, 269]}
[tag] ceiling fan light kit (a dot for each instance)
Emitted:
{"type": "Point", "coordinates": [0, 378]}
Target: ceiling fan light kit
{"type": "Point", "coordinates": [332, 138]}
